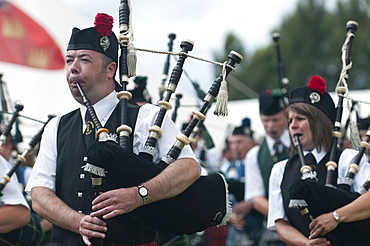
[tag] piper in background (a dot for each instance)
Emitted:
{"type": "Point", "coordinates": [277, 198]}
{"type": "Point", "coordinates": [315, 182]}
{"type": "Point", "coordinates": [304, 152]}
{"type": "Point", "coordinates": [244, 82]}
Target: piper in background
{"type": "Point", "coordinates": [245, 223]}
{"type": "Point", "coordinates": [363, 127]}
{"type": "Point", "coordinates": [140, 94]}
{"type": "Point", "coordinates": [261, 158]}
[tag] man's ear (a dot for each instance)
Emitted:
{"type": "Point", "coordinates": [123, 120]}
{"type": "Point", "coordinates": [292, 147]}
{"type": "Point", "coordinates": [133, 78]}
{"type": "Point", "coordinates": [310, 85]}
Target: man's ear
{"type": "Point", "coordinates": [111, 69]}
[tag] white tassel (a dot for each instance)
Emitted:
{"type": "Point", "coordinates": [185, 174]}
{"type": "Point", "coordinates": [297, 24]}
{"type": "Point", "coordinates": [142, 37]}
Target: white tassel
{"type": "Point", "coordinates": [354, 135]}
{"type": "Point", "coordinates": [223, 95]}
{"type": "Point", "coordinates": [309, 175]}
{"type": "Point", "coordinates": [108, 137]}
{"type": "Point", "coordinates": [297, 203]}
{"type": "Point", "coordinates": [131, 60]}
{"type": "Point", "coordinates": [94, 169]}
{"type": "Point", "coordinates": [131, 53]}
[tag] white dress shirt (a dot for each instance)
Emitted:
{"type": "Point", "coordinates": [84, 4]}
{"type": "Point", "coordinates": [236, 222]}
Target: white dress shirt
{"type": "Point", "coordinates": [12, 194]}
{"type": "Point", "coordinates": [254, 185]}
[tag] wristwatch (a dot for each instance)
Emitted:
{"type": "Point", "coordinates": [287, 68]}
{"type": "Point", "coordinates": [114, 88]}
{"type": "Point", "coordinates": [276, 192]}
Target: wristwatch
{"type": "Point", "coordinates": [143, 192]}
{"type": "Point", "coordinates": [336, 216]}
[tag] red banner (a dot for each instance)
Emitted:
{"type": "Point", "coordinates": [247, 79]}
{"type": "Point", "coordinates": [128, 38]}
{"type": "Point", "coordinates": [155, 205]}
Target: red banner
{"type": "Point", "coordinates": [24, 42]}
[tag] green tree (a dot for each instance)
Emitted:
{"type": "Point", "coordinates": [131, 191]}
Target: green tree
{"type": "Point", "coordinates": [234, 89]}
{"type": "Point", "coordinates": [357, 10]}
{"type": "Point", "coordinates": [310, 43]}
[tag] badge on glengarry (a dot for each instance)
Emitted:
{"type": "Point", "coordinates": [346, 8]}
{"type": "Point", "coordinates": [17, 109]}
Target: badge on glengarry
{"type": "Point", "coordinates": [315, 97]}
{"type": "Point", "coordinates": [104, 43]}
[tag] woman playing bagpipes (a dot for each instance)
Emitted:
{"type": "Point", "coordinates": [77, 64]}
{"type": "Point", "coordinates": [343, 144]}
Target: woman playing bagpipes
{"type": "Point", "coordinates": [311, 114]}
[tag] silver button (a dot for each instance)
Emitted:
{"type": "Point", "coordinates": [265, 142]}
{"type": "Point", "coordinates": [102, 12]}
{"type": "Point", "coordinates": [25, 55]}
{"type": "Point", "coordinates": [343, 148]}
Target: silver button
{"type": "Point", "coordinates": [79, 194]}
{"type": "Point", "coordinates": [82, 176]}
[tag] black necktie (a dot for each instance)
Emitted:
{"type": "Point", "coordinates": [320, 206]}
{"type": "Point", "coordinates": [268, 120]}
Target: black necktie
{"type": "Point", "coordinates": [310, 160]}
{"type": "Point", "coordinates": [89, 134]}
{"type": "Point", "coordinates": [276, 145]}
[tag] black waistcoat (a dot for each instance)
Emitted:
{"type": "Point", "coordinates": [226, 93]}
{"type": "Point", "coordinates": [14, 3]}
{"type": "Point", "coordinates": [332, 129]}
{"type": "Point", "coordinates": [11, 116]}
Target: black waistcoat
{"type": "Point", "coordinates": [291, 174]}
{"type": "Point", "coordinates": [73, 185]}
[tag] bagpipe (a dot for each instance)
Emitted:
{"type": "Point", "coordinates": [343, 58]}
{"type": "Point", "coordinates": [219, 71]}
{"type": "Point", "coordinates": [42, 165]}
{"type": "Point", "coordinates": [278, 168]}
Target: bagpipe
{"type": "Point", "coordinates": [8, 127]}
{"type": "Point", "coordinates": [32, 233]}
{"type": "Point", "coordinates": [313, 198]}
{"type": "Point", "coordinates": [203, 204]}
{"type": "Point", "coordinates": [200, 128]}
{"type": "Point", "coordinates": [22, 157]}
{"type": "Point", "coordinates": [283, 79]}
{"type": "Point", "coordinates": [3, 138]}
{"type": "Point", "coordinates": [177, 105]}
{"type": "Point", "coordinates": [166, 68]}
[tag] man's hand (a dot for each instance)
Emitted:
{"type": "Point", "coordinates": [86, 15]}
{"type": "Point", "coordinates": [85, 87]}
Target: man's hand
{"type": "Point", "coordinates": [237, 222]}
{"type": "Point", "coordinates": [92, 227]}
{"type": "Point", "coordinates": [116, 202]}
{"type": "Point", "coordinates": [318, 241]}
{"type": "Point", "coordinates": [242, 208]}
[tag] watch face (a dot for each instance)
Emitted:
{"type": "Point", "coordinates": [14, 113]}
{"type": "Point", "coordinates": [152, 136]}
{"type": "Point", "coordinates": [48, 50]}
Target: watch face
{"type": "Point", "coordinates": [336, 216]}
{"type": "Point", "coordinates": [143, 191]}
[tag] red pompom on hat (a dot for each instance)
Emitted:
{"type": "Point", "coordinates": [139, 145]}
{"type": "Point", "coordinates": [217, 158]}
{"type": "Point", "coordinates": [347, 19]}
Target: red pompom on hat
{"type": "Point", "coordinates": [317, 83]}
{"type": "Point", "coordinates": [104, 24]}
{"type": "Point", "coordinates": [315, 94]}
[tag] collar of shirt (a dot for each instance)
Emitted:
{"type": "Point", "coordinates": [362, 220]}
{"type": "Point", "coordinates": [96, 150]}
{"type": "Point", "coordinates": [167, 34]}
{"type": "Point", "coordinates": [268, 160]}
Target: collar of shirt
{"type": "Point", "coordinates": [285, 139]}
{"type": "Point", "coordinates": [103, 109]}
{"type": "Point", "coordinates": [318, 155]}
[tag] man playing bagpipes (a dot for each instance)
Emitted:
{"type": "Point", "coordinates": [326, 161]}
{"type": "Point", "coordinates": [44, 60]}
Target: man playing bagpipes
{"type": "Point", "coordinates": [261, 158]}
{"type": "Point", "coordinates": [61, 189]}
{"type": "Point", "coordinates": [246, 224]}
{"type": "Point", "coordinates": [363, 127]}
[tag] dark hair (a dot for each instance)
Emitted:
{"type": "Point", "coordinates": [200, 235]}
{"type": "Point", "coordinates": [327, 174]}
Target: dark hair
{"type": "Point", "coordinates": [106, 61]}
{"type": "Point", "coordinates": [320, 125]}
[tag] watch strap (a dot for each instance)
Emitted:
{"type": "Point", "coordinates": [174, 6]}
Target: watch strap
{"type": "Point", "coordinates": [144, 197]}
{"type": "Point", "coordinates": [336, 216]}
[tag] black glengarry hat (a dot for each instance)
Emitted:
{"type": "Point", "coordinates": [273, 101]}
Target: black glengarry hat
{"type": "Point", "coordinates": [315, 94]}
{"type": "Point", "coordinates": [140, 92]}
{"type": "Point", "coordinates": [271, 102]}
{"type": "Point", "coordinates": [244, 129]}
{"type": "Point", "coordinates": [99, 38]}
{"type": "Point", "coordinates": [364, 123]}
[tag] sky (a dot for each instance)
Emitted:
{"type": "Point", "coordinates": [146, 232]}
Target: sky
{"type": "Point", "coordinates": [206, 23]}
